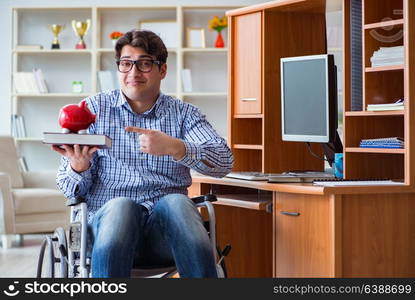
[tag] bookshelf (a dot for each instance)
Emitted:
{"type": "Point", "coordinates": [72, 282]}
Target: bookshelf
{"type": "Point", "coordinates": [60, 67]}
{"type": "Point", "coordinates": [339, 231]}
{"type": "Point", "coordinates": [385, 23]}
{"type": "Point", "coordinates": [254, 111]}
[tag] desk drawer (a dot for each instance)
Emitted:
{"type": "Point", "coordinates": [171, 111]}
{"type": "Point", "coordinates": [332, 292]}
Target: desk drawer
{"type": "Point", "coordinates": [302, 241]}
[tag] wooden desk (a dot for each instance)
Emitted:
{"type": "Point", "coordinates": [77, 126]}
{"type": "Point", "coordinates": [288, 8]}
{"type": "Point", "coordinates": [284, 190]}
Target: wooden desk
{"type": "Point", "coordinates": [313, 231]}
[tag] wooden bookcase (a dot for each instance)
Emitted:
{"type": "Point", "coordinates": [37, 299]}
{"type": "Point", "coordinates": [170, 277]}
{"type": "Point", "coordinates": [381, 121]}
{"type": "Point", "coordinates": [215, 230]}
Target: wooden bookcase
{"type": "Point", "coordinates": [272, 30]}
{"type": "Point", "coordinates": [385, 23]}
{"type": "Point", "coordinates": [364, 231]}
{"type": "Point", "coordinates": [294, 28]}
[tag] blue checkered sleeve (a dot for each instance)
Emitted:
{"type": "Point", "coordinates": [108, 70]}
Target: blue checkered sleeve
{"type": "Point", "coordinates": [206, 151]}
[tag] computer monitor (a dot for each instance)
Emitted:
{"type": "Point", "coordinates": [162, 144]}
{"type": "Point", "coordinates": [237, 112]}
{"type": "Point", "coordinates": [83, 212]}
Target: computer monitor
{"type": "Point", "coordinates": [309, 101]}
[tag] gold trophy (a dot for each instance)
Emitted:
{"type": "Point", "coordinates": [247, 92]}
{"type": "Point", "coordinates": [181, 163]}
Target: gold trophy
{"type": "Point", "coordinates": [81, 29]}
{"type": "Point", "coordinates": [56, 29]}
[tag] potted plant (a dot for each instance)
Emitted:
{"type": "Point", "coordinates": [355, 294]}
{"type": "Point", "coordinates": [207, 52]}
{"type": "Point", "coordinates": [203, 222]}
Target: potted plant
{"type": "Point", "coordinates": [218, 24]}
{"type": "Point", "coordinates": [114, 36]}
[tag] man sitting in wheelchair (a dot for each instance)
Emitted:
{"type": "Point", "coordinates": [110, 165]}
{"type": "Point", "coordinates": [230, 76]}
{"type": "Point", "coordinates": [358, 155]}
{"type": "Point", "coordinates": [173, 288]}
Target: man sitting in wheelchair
{"type": "Point", "coordinates": [136, 191]}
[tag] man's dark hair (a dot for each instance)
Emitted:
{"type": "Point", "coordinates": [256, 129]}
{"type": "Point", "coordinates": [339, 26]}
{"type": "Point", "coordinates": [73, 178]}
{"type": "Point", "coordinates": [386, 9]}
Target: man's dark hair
{"type": "Point", "coordinates": [147, 40]}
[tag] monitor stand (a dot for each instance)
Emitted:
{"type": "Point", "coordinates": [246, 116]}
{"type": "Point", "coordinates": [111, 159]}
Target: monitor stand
{"type": "Point", "coordinates": [331, 148]}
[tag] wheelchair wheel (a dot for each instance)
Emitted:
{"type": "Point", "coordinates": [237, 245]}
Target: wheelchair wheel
{"type": "Point", "coordinates": [221, 267]}
{"type": "Point", "coordinates": [56, 248]}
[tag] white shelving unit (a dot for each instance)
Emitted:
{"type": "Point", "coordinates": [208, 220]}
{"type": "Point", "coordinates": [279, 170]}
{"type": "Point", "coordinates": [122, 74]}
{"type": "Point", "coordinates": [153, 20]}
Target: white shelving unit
{"type": "Point", "coordinates": [63, 66]}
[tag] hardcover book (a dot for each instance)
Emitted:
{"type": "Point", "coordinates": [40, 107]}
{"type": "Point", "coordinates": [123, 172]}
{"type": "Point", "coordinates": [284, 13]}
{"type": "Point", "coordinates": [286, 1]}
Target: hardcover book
{"type": "Point", "coordinates": [56, 138]}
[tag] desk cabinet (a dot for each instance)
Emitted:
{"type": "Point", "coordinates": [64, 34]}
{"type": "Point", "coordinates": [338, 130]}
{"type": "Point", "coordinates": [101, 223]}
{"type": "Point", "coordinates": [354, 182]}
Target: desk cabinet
{"type": "Point", "coordinates": [344, 235]}
{"type": "Point", "coordinates": [301, 235]}
{"type": "Point", "coordinates": [345, 231]}
{"type": "Point", "coordinates": [247, 64]}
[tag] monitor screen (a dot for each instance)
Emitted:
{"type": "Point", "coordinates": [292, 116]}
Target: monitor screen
{"type": "Point", "coordinates": [309, 102]}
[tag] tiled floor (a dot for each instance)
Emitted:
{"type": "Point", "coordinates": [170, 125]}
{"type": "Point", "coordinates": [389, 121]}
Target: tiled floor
{"type": "Point", "coordinates": [21, 261]}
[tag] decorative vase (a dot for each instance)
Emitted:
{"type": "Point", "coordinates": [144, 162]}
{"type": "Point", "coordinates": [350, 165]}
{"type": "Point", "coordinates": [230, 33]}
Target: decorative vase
{"type": "Point", "coordinates": [219, 41]}
{"type": "Point", "coordinates": [114, 42]}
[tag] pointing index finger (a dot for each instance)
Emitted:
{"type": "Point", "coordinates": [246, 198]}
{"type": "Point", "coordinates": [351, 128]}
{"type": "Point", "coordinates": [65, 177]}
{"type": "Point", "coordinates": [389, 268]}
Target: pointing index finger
{"type": "Point", "coordinates": [136, 129]}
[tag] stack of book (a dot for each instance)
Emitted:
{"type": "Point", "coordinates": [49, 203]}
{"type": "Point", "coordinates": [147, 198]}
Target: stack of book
{"type": "Point", "coordinates": [388, 56]}
{"type": "Point", "coordinates": [30, 82]}
{"type": "Point", "coordinates": [391, 142]}
{"type": "Point", "coordinates": [18, 126]}
{"type": "Point", "coordinates": [398, 105]}
{"type": "Point", "coordinates": [22, 164]}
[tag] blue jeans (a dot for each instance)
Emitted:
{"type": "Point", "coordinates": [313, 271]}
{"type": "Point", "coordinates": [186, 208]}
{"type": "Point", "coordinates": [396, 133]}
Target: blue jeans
{"type": "Point", "coordinates": [124, 235]}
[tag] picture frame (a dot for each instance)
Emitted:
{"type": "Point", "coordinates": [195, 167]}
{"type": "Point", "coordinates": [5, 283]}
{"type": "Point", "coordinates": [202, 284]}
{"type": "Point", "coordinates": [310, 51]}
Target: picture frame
{"type": "Point", "coordinates": [195, 37]}
{"type": "Point", "coordinates": [166, 29]}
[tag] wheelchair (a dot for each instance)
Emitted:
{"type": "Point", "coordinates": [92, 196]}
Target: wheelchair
{"type": "Point", "coordinates": [67, 255]}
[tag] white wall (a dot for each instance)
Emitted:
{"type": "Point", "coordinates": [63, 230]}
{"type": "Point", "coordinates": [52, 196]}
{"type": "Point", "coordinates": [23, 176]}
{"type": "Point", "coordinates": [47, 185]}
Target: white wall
{"type": "Point", "coordinates": [6, 40]}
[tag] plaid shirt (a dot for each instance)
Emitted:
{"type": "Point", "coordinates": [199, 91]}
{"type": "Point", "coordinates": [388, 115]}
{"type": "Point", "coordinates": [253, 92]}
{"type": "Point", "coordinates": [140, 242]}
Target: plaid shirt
{"type": "Point", "coordinates": [124, 171]}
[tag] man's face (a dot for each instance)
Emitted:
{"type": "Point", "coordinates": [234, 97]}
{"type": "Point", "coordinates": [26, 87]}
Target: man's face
{"type": "Point", "coordinates": [136, 84]}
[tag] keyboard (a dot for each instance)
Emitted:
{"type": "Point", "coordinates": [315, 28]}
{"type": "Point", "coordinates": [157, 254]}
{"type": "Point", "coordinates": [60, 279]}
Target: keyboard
{"type": "Point", "coordinates": [299, 177]}
{"type": "Point", "coordinates": [307, 176]}
{"type": "Point", "coordinates": [256, 176]}
{"type": "Point", "coordinates": [355, 182]}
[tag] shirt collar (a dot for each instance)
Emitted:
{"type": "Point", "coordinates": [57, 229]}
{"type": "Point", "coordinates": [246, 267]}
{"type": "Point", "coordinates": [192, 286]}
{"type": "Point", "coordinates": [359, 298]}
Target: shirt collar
{"type": "Point", "coordinates": [156, 109]}
{"type": "Point", "coordinates": [119, 99]}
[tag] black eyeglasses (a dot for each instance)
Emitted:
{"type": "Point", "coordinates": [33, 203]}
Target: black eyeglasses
{"type": "Point", "coordinates": [143, 65]}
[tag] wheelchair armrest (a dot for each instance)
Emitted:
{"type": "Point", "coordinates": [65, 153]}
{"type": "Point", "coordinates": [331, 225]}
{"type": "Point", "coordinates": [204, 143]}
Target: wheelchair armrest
{"type": "Point", "coordinates": [74, 201]}
{"type": "Point", "coordinates": [204, 198]}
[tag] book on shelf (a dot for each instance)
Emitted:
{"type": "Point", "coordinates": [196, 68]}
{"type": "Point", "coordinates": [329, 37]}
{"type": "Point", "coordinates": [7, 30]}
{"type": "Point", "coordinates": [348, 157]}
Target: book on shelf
{"type": "Point", "coordinates": [384, 108]}
{"type": "Point", "coordinates": [25, 83]}
{"type": "Point", "coordinates": [20, 84]}
{"type": "Point", "coordinates": [394, 139]}
{"type": "Point", "coordinates": [22, 164]}
{"type": "Point", "coordinates": [29, 47]}
{"type": "Point", "coordinates": [18, 126]}
{"type": "Point", "coordinates": [107, 80]}
{"type": "Point", "coordinates": [382, 146]}
{"type": "Point", "coordinates": [398, 105]}
{"type": "Point", "coordinates": [388, 143]}
{"type": "Point", "coordinates": [56, 138]}
{"type": "Point", "coordinates": [30, 82]}
{"type": "Point", "coordinates": [187, 80]}
{"type": "Point", "coordinates": [21, 126]}
{"type": "Point", "coordinates": [13, 125]}
{"type": "Point", "coordinates": [40, 81]}
{"type": "Point", "coordinates": [387, 56]}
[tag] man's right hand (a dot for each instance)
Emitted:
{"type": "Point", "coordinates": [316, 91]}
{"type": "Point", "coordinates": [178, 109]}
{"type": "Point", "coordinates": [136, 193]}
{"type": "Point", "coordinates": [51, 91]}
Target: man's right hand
{"type": "Point", "coordinates": [80, 158]}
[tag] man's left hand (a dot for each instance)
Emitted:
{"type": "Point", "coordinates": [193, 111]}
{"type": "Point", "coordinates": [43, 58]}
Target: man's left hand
{"type": "Point", "coordinates": [156, 142]}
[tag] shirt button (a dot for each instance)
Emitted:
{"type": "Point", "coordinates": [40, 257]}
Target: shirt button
{"type": "Point", "coordinates": [193, 156]}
